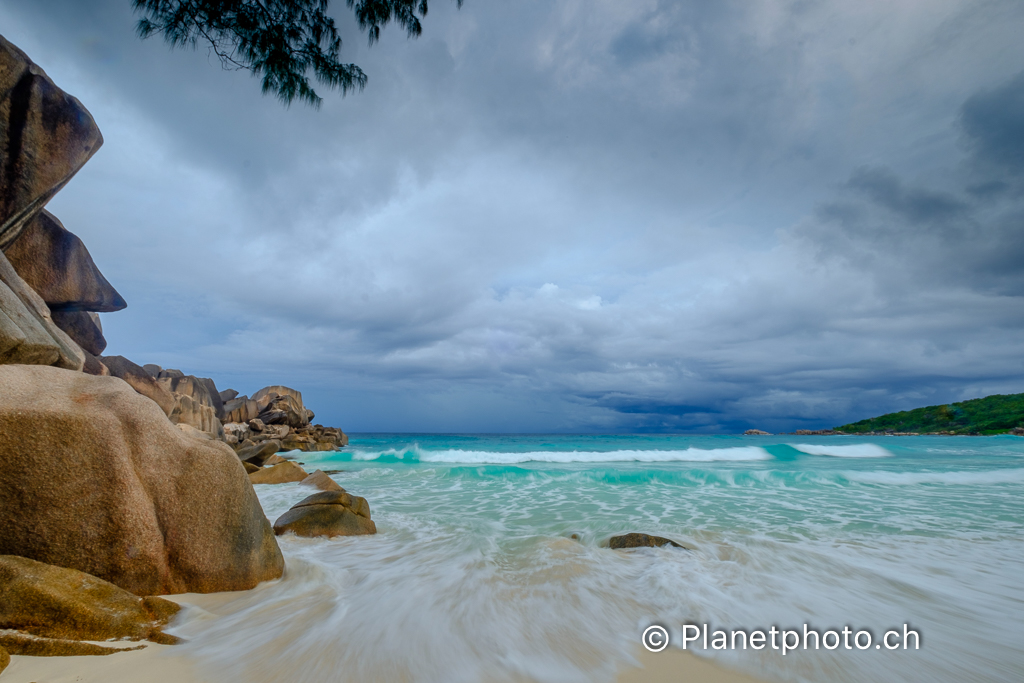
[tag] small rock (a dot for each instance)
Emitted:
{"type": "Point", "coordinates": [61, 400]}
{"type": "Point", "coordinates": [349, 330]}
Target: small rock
{"type": "Point", "coordinates": [228, 395]}
{"type": "Point", "coordinates": [635, 540]}
{"type": "Point", "coordinates": [283, 473]}
{"type": "Point", "coordinates": [320, 480]}
{"type": "Point", "coordinates": [756, 432]}
{"type": "Point", "coordinates": [250, 468]}
{"type": "Point", "coordinates": [256, 425]}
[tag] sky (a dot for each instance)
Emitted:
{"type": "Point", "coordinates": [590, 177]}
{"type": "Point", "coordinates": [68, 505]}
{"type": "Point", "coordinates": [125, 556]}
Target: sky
{"type": "Point", "coordinates": [569, 215]}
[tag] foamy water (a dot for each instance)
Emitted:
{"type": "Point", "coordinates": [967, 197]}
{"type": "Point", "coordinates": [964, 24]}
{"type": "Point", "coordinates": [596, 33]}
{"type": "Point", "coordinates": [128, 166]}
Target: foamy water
{"type": "Point", "coordinates": [475, 576]}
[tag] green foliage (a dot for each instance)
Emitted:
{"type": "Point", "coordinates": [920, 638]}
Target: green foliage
{"type": "Point", "coordinates": [278, 40]}
{"type": "Point", "coordinates": [991, 415]}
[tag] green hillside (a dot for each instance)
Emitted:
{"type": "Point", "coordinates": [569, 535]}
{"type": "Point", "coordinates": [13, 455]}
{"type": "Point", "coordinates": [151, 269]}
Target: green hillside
{"type": "Point", "coordinates": [990, 415]}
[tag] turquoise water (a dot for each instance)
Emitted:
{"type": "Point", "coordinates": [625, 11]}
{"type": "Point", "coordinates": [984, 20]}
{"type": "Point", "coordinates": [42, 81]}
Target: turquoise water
{"type": "Point", "coordinates": [489, 562]}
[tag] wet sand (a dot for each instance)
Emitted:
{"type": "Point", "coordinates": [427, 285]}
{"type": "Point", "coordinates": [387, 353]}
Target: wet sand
{"type": "Point", "coordinates": [160, 664]}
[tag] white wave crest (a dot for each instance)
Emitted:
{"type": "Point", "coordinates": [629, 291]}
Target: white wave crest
{"type": "Point", "coordinates": [500, 458]}
{"type": "Point", "coordinates": [860, 450]}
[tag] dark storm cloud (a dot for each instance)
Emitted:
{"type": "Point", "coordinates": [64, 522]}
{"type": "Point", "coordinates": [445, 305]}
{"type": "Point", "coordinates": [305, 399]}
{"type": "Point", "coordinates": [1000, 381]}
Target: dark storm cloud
{"type": "Point", "coordinates": [570, 215]}
{"type": "Point", "coordinates": [993, 123]}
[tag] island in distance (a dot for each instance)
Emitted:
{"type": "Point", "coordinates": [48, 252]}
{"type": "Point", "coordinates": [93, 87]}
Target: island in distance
{"type": "Point", "coordinates": [998, 414]}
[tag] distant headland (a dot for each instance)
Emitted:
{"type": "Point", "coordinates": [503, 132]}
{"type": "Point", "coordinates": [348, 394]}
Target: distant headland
{"type": "Point", "coordinates": [998, 414]}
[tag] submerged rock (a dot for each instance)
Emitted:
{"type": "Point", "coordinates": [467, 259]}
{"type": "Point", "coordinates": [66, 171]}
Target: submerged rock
{"type": "Point", "coordinates": [330, 514]}
{"type": "Point", "coordinates": [103, 483]}
{"type": "Point", "coordinates": [635, 540]}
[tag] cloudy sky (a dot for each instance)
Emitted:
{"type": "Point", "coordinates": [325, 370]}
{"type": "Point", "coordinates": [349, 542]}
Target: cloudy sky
{"type": "Point", "coordinates": [570, 215]}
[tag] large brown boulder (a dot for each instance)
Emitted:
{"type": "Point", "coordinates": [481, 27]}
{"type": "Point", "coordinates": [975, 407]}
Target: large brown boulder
{"type": "Point", "coordinates": [5, 659]}
{"type": "Point", "coordinates": [46, 135]}
{"type": "Point", "coordinates": [55, 602]}
{"type": "Point", "coordinates": [55, 263]}
{"type": "Point", "coordinates": [95, 478]}
{"type": "Point", "coordinates": [329, 513]}
{"type": "Point", "coordinates": [28, 334]}
{"type": "Point", "coordinates": [139, 380]}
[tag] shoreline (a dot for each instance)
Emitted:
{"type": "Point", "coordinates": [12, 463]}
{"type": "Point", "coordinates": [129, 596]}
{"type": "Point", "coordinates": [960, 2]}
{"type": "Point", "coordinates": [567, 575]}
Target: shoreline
{"type": "Point", "coordinates": [163, 665]}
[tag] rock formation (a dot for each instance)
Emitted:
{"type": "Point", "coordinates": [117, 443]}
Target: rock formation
{"type": "Point", "coordinates": [329, 513]}
{"type": "Point", "coordinates": [46, 136]}
{"type": "Point", "coordinates": [98, 480]}
{"type": "Point", "coordinates": [276, 413]}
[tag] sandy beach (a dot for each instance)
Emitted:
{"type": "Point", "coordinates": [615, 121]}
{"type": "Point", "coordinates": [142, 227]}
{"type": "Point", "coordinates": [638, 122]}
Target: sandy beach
{"type": "Point", "coordinates": [160, 664]}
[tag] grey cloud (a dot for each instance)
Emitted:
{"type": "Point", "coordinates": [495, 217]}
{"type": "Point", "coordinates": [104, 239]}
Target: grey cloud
{"type": "Point", "coordinates": [551, 216]}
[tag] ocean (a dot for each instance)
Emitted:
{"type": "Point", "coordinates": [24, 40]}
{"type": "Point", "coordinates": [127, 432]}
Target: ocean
{"type": "Point", "coordinates": [489, 563]}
